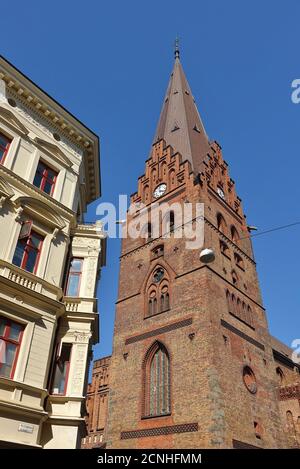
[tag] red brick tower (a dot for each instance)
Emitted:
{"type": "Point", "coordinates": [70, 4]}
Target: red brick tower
{"type": "Point", "coordinates": [96, 405]}
{"type": "Point", "coordinates": [192, 362]}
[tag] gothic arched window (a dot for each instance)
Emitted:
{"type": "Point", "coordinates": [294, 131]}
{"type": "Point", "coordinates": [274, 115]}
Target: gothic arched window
{"type": "Point", "coordinates": [280, 376]}
{"type": "Point", "coordinates": [168, 223]}
{"type": "Point", "coordinates": [249, 316]}
{"type": "Point", "coordinates": [239, 308]}
{"type": "Point", "coordinates": [147, 231]}
{"type": "Point", "coordinates": [228, 298]}
{"type": "Point", "coordinates": [146, 194]}
{"type": "Point", "coordinates": [224, 248]}
{"type": "Point", "coordinates": [233, 304]}
{"type": "Point", "coordinates": [157, 292]}
{"type": "Point", "coordinates": [156, 381]}
{"type": "Point", "coordinates": [152, 303]}
{"type": "Point", "coordinates": [221, 223]}
{"type": "Point", "coordinates": [234, 277]}
{"type": "Point", "coordinates": [238, 260]}
{"type": "Point", "coordinates": [164, 299]}
{"type": "Point", "coordinates": [172, 221]}
{"type": "Point", "coordinates": [172, 178]}
{"type": "Point", "coordinates": [234, 234]}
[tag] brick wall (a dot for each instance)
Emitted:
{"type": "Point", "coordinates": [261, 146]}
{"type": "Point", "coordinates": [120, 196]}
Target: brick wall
{"type": "Point", "coordinates": [96, 404]}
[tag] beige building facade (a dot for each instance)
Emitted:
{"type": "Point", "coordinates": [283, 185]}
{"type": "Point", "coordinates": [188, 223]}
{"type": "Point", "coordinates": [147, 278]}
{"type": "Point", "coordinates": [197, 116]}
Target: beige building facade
{"type": "Point", "coordinates": [49, 265]}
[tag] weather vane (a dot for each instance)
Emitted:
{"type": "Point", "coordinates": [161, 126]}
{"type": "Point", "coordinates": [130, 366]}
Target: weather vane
{"type": "Point", "coordinates": [176, 48]}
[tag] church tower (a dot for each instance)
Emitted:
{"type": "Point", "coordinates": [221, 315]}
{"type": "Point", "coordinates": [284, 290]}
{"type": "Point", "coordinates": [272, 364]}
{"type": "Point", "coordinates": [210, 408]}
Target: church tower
{"type": "Point", "coordinates": [192, 363]}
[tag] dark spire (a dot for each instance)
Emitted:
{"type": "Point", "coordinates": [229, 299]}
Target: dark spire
{"type": "Point", "coordinates": [180, 124]}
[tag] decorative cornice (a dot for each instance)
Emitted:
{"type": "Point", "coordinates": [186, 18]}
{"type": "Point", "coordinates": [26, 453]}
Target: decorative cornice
{"type": "Point", "coordinates": [11, 117]}
{"type": "Point", "coordinates": [46, 113]}
{"type": "Point", "coordinates": [41, 210]}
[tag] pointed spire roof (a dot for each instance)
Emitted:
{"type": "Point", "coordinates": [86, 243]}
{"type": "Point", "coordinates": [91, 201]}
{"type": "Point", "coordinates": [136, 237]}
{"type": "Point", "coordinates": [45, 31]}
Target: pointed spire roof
{"type": "Point", "coordinates": [180, 124]}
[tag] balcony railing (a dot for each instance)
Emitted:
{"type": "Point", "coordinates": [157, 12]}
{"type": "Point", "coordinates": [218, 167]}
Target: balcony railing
{"type": "Point", "coordinates": [28, 280]}
{"type": "Point", "coordinates": [83, 305]}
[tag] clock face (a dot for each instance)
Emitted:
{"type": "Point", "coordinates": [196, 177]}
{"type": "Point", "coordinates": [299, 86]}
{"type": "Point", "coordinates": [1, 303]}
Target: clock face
{"type": "Point", "coordinates": [160, 190]}
{"type": "Point", "coordinates": [221, 193]}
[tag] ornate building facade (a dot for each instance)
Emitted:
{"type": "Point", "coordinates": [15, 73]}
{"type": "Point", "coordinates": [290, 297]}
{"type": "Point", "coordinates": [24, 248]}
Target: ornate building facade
{"type": "Point", "coordinates": [49, 264]}
{"type": "Point", "coordinates": [194, 364]}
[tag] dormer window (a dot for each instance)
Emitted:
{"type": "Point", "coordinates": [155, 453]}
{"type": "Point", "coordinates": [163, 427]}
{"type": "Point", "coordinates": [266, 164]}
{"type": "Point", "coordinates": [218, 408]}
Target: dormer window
{"type": "Point", "coordinates": [45, 178]}
{"type": "Point", "coordinates": [28, 248]}
{"type": "Point", "coordinates": [4, 146]}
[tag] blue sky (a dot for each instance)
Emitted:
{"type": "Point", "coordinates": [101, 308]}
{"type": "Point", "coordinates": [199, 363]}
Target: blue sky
{"type": "Point", "coordinates": [109, 64]}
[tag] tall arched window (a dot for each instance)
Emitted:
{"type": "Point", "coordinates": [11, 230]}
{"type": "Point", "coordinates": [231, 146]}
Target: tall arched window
{"type": "Point", "coordinates": [152, 304]}
{"type": "Point", "coordinates": [228, 298]}
{"type": "Point", "coordinates": [234, 277]}
{"type": "Point", "coordinates": [172, 178]}
{"type": "Point", "coordinates": [234, 234]}
{"type": "Point", "coordinates": [156, 381]}
{"type": "Point", "coordinates": [239, 308]}
{"type": "Point", "coordinates": [238, 260]}
{"type": "Point", "coordinates": [172, 221]}
{"type": "Point", "coordinates": [250, 315]}
{"type": "Point", "coordinates": [280, 376]}
{"type": "Point", "coordinates": [168, 223]}
{"type": "Point", "coordinates": [146, 194]}
{"type": "Point", "coordinates": [147, 231]}
{"type": "Point", "coordinates": [164, 299]}
{"type": "Point", "coordinates": [221, 223]}
{"type": "Point", "coordinates": [233, 304]}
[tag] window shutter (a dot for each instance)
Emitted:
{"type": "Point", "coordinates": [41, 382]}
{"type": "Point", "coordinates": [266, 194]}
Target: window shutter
{"type": "Point", "coordinates": [25, 229]}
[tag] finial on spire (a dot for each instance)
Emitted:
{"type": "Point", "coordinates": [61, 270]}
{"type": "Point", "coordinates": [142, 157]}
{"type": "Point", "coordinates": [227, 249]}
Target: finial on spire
{"type": "Point", "coordinates": [176, 50]}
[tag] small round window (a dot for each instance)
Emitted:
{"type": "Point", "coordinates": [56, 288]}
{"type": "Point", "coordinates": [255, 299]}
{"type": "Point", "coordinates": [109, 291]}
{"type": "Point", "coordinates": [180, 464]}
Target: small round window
{"type": "Point", "coordinates": [57, 137]}
{"type": "Point", "coordinates": [249, 380]}
{"type": "Point", "coordinates": [12, 102]}
{"type": "Point", "coordinates": [158, 275]}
